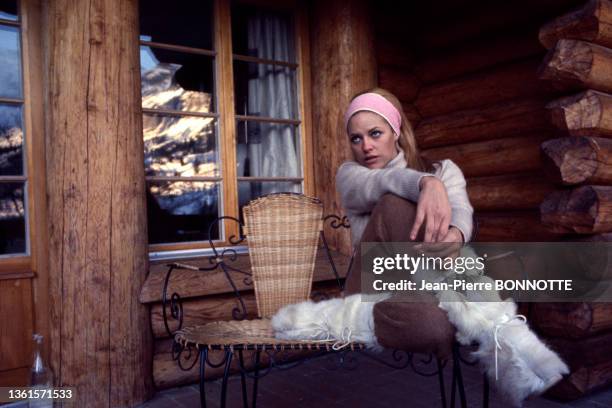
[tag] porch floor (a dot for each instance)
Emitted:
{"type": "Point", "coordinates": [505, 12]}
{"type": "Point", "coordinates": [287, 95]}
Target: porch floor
{"type": "Point", "coordinates": [318, 383]}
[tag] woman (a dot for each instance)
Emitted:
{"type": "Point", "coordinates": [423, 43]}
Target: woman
{"type": "Point", "coordinates": [387, 161]}
{"type": "Point", "coordinates": [391, 195]}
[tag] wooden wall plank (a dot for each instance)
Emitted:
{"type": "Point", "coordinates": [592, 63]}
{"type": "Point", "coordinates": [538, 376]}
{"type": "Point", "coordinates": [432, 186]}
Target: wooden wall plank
{"type": "Point", "coordinates": [16, 323]}
{"type": "Point", "coordinates": [342, 51]}
{"type": "Point", "coordinates": [97, 214]}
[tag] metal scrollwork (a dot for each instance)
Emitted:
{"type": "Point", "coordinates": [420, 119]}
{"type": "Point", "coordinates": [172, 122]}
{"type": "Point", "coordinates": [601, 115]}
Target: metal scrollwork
{"type": "Point", "coordinates": [337, 221]}
{"type": "Point", "coordinates": [177, 355]}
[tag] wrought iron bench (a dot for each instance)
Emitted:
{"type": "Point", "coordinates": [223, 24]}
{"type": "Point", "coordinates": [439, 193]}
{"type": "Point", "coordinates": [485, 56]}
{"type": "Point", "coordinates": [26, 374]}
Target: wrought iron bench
{"type": "Point", "coordinates": [283, 233]}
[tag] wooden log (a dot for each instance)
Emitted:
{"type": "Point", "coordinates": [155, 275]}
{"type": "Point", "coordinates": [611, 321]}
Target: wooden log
{"type": "Point", "coordinates": [412, 114]}
{"type": "Point", "coordinates": [512, 226]}
{"type": "Point", "coordinates": [584, 210]}
{"type": "Point", "coordinates": [512, 81]}
{"type": "Point", "coordinates": [479, 54]}
{"type": "Point", "coordinates": [493, 122]}
{"type": "Point", "coordinates": [214, 308]}
{"type": "Point", "coordinates": [578, 64]}
{"type": "Point", "coordinates": [583, 381]}
{"type": "Point", "coordinates": [393, 51]}
{"type": "Point", "coordinates": [511, 192]}
{"type": "Point", "coordinates": [493, 157]}
{"type": "Point", "coordinates": [474, 20]}
{"type": "Point", "coordinates": [100, 333]}
{"type": "Point", "coordinates": [592, 23]}
{"type": "Point", "coordinates": [188, 283]}
{"type": "Point", "coordinates": [342, 49]}
{"type": "Point", "coordinates": [575, 160]}
{"type": "Point", "coordinates": [401, 81]}
{"type": "Point", "coordinates": [586, 114]}
{"type": "Point", "coordinates": [590, 351]}
{"type": "Point", "coordinates": [595, 260]}
{"type": "Point", "coordinates": [571, 320]}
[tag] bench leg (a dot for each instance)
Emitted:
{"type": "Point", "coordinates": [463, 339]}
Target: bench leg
{"type": "Point", "coordinates": [203, 355]}
{"type": "Point", "coordinates": [245, 401]}
{"type": "Point", "coordinates": [485, 391]}
{"type": "Point", "coordinates": [441, 381]}
{"type": "Point", "coordinates": [228, 361]}
{"type": "Point", "coordinates": [457, 379]}
{"type": "Point", "coordinates": [256, 379]}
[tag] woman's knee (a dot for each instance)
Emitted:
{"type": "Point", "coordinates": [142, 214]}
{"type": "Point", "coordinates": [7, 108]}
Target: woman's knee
{"type": "Point", "coordinates": [395, 216]}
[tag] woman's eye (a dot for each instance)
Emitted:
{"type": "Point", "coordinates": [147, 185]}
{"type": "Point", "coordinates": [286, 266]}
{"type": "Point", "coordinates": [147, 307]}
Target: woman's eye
{"type": "Point", "coordinates": [355, 139]}
{"type": "Point", "coordinates": [375, 133]}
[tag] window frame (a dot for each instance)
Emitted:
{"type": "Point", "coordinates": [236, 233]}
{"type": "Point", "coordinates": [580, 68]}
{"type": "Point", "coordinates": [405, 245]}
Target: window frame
{"type": "Point", "coordinates": [227, 118]}
{"type": "Point", "coordinates": [25, 265]}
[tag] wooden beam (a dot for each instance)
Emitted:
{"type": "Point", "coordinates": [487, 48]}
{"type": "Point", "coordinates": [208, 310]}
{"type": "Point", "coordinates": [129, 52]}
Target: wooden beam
{"type": "Point", "coordinates": [586, 114]}
{"type": "Point", "coordinates": [592, 23]}
{"type": "Point", "coordinates": [493, 157]}
{"type": "Point", "coordinates": [492, 122]}
{"type": "Point", "coordinates": [575, 64]}
{"type": "Point", "coordinates": [188, 283]}
{"type": "Point", "coordinates": [478, 18]}
{"type": "Point", "coordinates": [342, 51]}
{"type": "Point", "coordinates": [401, 81]}
{"type": "Point", "coordinates": [576, 160]}
{"type": "Point", "coordinates": [101, 341]}
{"type": "Point", "coordinates": [572, 319]}
{"type": "Point", "coordinates": [512, 81]}
{"type": "Point", "coordinates": [478, 55]}
{"type": "Point", "coordinates": [584, 210]}
{"type": "Point", "coordinates": [511, 192]}
{"type": "Point", "coordinates": [513, 226]}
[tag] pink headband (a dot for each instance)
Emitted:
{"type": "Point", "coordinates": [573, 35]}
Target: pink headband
{"type": "Point", "coordinates": [376, 103]}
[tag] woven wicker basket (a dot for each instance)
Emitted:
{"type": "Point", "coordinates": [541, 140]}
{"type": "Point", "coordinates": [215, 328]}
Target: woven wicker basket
{"type": "Point", "coordinates": [283, 234]}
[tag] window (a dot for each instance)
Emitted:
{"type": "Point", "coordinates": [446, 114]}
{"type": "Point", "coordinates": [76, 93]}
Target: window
{"type": "Point", "coordinates": [222, 120]}
{"type": "Point", "coordinates": [13, 162]}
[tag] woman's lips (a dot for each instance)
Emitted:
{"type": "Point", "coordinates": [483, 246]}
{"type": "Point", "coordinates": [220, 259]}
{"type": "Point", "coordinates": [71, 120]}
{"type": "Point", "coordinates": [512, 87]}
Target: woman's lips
{"type": "Point", "coordinates": [370, 159]}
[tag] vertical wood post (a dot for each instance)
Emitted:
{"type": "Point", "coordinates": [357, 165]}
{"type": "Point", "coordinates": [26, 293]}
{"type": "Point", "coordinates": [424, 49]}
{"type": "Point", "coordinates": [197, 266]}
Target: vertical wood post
{"type": "Point", "coordinates": [343, 56]}
{"type": "Point", "coordinates": [96, 199]}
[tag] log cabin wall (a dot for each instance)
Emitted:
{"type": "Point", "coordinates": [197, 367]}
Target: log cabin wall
{"type": "Point", "coordinates": [466, 73]}
{"type": "Point", "coordinates": [529, 128]}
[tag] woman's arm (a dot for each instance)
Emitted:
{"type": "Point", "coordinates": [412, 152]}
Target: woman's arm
{"type": "Point", "coordinates": [461, 209]}
{"type": "Point", "coordinates": [360, 188]}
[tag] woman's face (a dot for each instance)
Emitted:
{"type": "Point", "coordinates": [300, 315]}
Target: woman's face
{"type": "Point", "coordinates": [372, 139]}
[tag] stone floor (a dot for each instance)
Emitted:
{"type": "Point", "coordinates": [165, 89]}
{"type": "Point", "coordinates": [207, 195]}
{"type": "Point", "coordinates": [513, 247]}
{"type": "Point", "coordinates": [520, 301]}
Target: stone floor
{"type": "Point", "coordinates": [319, 383]}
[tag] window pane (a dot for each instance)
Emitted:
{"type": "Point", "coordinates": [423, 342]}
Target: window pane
{"type": "Point", "coordinates": [250, 190]}
{"type": "Point", "coordinates": [267, 150]}
{"type": "Point", "coordinates": [12, 219]}
{"type": "Point", "coordinates": [10, 55]}
{"type": "Point", "coordinates": [11, 140]}
{"type": "Point", "coordinates": [176, 80]}
{"type": "Point", "coordinates": [181, 211]}
{"type": "Point", "coordinates": [180, 146]}
{"type": "Point", "coordinates": [188, 22]}
{"type": "Point", "coordinates": [8, 10]}
{"type": "Point", "coordinates": [262, 33]}
{"type": "Point", "coordinates": [265, 90]}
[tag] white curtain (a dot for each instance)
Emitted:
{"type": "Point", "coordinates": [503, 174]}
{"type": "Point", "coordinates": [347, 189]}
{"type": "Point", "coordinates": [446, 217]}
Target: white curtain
{"type": "Point", "coordinates": [273, 149]}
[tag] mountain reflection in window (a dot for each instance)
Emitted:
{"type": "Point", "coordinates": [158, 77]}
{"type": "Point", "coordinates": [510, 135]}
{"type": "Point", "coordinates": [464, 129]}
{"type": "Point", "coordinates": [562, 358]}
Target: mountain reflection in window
{"type": "Point", "coordinates": [182, 211]}
{"type": "Point", "coordinates": [176, 81]}
{"type": "Point", "coordinates": [12, 219]}
{"type": "Point", "coordinates": [11, 141]}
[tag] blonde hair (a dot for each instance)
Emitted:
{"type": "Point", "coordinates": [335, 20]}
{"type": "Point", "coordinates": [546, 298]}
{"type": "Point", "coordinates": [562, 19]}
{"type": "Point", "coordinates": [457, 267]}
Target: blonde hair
{"type": "Point", "coordinates": [407, 140]}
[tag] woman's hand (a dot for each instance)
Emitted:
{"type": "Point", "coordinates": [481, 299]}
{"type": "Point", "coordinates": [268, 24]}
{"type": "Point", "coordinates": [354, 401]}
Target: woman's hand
{"type": "Point", "coordinates": [433, 209]}
{"type": "Point", "coordinates": [449, 245]}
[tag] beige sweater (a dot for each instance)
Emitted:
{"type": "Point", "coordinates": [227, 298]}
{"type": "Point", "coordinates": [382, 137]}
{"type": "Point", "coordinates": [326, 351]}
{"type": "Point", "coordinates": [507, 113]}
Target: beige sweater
{"type": "Point", "coordinates": [360, 189]}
